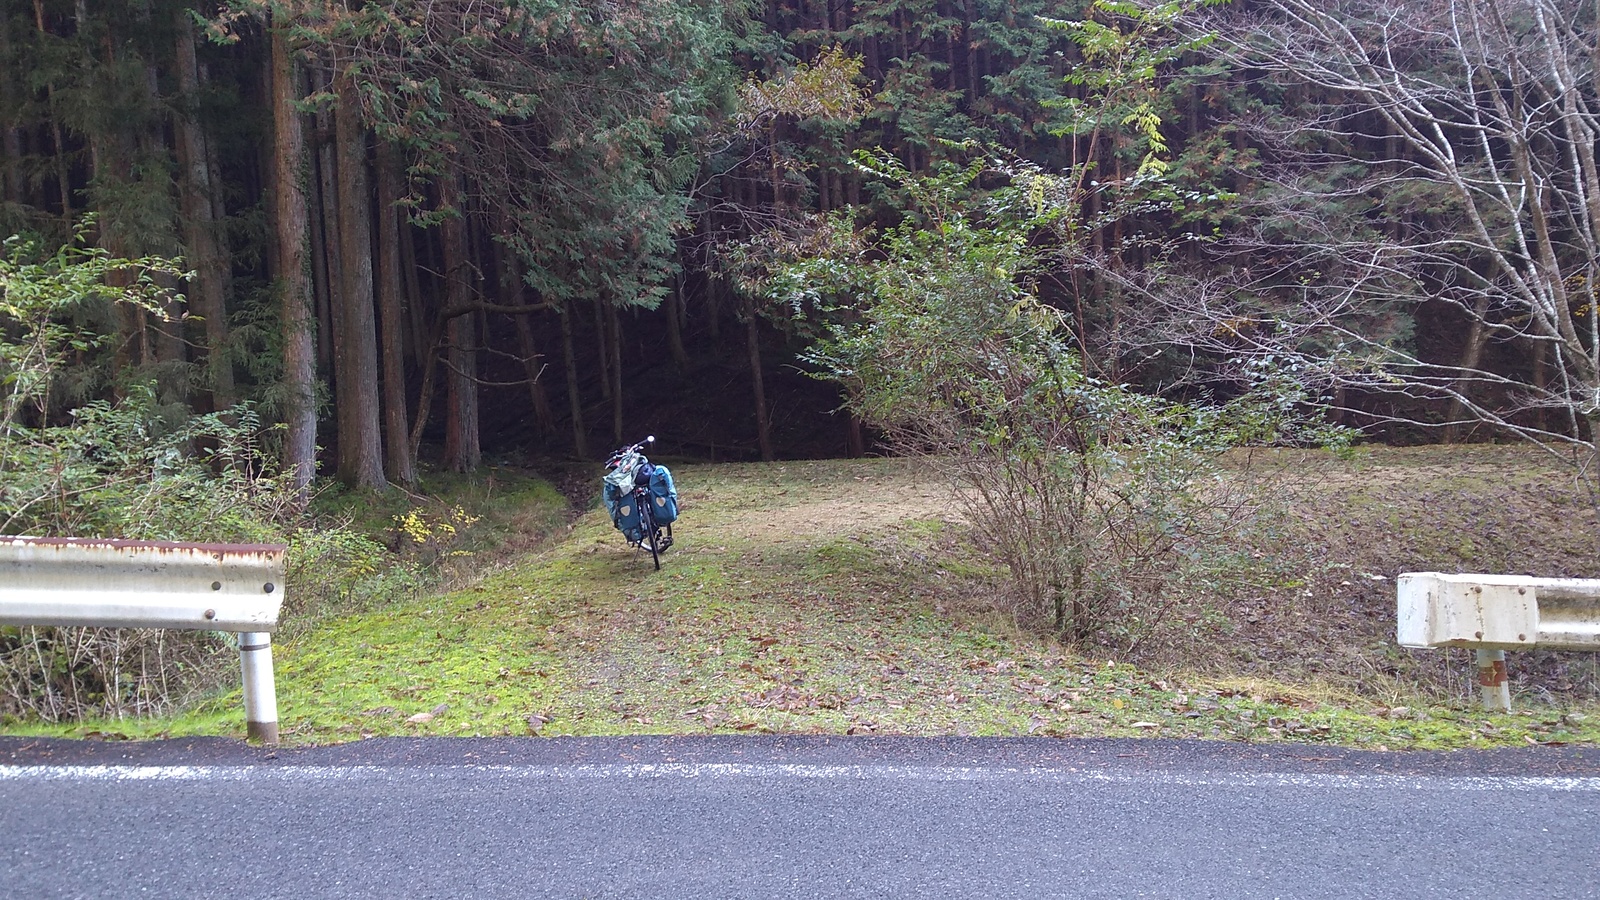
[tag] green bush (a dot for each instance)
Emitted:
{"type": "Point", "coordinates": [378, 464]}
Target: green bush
{"type": "Point", "coordinates": [133, 467]}
{"type": "Point", "coordinates": [1107, 506]}
{"type": "Point", "coordinates": [337, 570]}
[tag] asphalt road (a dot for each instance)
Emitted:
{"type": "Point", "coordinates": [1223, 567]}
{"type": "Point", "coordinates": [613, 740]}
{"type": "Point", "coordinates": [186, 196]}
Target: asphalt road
{"type": "Point", "coordinates": [792, 817]}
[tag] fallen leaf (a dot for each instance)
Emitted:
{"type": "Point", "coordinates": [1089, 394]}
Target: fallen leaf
{"type": "Point", "coordinates": [1146, 725]}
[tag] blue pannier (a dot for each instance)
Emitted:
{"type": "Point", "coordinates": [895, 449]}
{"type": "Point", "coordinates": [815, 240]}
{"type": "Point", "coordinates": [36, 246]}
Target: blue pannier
{"type": "Point", "coordinates": [664, 496]}
{"type": "Point", "coordinates": [624, 511]}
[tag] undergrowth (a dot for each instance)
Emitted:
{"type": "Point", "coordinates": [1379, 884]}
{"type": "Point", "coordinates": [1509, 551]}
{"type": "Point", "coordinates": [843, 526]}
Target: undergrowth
{"type": "Point", "coordinates": [843, 598]}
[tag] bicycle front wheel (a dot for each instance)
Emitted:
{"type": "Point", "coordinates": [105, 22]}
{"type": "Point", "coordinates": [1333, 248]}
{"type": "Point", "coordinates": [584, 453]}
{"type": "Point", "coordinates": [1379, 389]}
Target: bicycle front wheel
{"type": "Point", "coordinates": [652, 534]}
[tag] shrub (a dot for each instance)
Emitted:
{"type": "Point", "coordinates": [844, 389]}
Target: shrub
{"type": "Point", "coordinates": [1107, 506]}
{"type": "Point", "coordinates": [136, 468]}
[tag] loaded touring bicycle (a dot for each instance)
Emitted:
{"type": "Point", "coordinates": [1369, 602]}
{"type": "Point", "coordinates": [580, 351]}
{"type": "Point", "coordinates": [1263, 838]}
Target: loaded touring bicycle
{"type": "Point", "coordinates": [641, 498]}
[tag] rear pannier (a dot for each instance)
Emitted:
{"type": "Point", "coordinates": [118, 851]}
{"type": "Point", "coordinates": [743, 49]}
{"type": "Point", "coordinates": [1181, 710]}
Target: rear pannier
{"type": "Point", "coordinates": [664, 496]}
{"type": "Point", "coordinates": [624, 511]}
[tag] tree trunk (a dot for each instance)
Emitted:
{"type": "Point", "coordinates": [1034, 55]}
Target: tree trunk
{"type": "Point", "coordinates": [318, 246]}
{"type": "Point", "coordinates": [208, 291]}
{"type": "Point", "coordinates": [713, 306]}
{"type": "Point", "coordinates": [265, 163]}
{"type": "Point", "coordinates": [602, 348]}
{"type": "Point", "coordinates": [110, 162]}
{"type": "Point", "coordinates": [398, 462]}
{"type": "Point", "coordinates": [461, 448]}
{"type": "Point", "coordinates": [580, 443]}
{"type": "Point", "coordinates": [171, 349]}
{"type": "Point", "coordinates": [219, 202]}
{"type": "Point", "coordinates": [544, 417]}
{"type": "Point", "coordinates": [355, 318]}
{"type": "Point", "coordinates": [1477, 339]}
{"type": "Point", "coordinates": [1540, 384]}
{"type": "Point", "coordinates": [763, 420]}
{"type": "Point", "coordinates": [971, 47]}
{"type": "Point", "coordinates": [508, 276]}
{"type": "Point", "coordinates": [59, 144]}
{"type": "Point", "coordinates": [326, 242]}
{"type": "Point", "coordinates": [13, 161]}
{"type": "Point", "coordinates": [10, 133]}
{"type": "Point", "coordinates": [429, 361]}
{"type": "Point", "coordinates": [674, 311]}
{"type": "Point", "coordinates": [63, 176]}
{"type": "Point", "coordinates": [299, 357]}
{"type": "Point", "coordinates": [422, 337]}
{"type": "Point", "coordinates": [614, 330]}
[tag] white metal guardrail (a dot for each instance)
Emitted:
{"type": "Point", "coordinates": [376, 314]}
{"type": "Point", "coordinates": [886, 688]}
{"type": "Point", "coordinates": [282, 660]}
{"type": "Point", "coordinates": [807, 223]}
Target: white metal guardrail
{"type": "Point", "coordinates": [1496, 613]}
{"type": "Point", "coordinates": [155, 584]}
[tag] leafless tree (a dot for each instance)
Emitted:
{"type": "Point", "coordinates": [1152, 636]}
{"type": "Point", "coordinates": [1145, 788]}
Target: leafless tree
{"type": "Point", "coordinates": [1483, 115]}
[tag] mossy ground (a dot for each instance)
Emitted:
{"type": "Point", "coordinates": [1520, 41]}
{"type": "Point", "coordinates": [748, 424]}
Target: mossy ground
{"type": "Point", "coordinates": [841, 597]}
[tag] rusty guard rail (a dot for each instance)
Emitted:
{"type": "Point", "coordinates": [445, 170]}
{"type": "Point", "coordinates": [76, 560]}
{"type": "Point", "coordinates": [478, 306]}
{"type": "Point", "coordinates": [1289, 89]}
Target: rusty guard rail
{"type": "Point", "coordinates": [1495, 613]}
{"type": "Point", "coordinates": [155, 584]}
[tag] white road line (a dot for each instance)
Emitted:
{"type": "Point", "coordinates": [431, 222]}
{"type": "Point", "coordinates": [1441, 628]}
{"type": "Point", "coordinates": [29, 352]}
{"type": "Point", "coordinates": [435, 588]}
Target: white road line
{"type": "Point", "coordinates": [683, 771]}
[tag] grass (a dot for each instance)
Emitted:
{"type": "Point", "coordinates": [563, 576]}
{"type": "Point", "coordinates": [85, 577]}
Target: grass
{"type": "Point", "coordinates": [838, 598]}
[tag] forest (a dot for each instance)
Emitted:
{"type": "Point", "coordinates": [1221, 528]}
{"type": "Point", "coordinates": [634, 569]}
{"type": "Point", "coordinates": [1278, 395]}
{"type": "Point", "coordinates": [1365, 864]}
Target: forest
{"type": "Point", "coordinates": [403, 231]}
{"type": "Point", "coordinates": [352, 276]}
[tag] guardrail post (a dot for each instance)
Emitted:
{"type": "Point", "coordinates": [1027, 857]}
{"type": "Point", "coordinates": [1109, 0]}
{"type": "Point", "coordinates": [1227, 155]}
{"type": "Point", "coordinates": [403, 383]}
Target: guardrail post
{"type": "Point", "coordinates": [1494, 688]}
{"type": "Point", "coordinates": [260, 692]}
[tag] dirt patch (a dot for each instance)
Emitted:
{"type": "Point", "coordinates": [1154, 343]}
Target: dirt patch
{"type": "Point", "coordinates": [872, 510]}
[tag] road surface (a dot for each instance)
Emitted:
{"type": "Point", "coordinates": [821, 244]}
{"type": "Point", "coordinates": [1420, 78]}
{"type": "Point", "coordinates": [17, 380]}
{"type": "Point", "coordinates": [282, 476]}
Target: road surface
{"type": "Point", "coordinates": [792, 817]}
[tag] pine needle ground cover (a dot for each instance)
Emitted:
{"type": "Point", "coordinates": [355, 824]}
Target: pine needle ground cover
{"type": "Point", "coordinates": [842, 597]}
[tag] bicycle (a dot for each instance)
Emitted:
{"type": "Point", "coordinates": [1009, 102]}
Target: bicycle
{"type": "Point", "coordinates": [642, 499]}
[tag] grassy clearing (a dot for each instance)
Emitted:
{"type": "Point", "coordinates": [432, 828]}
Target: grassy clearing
{"type": "Point", "coordinates": [837, 598]}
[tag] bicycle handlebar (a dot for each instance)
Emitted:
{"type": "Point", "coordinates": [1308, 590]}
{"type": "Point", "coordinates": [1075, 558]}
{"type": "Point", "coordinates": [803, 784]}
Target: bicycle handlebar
{"type": "Point", "coordinates": [617, 456]}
